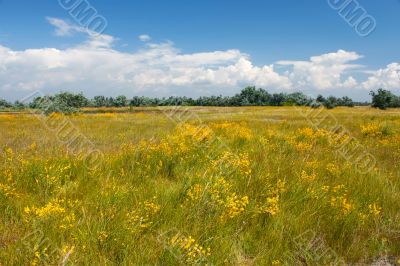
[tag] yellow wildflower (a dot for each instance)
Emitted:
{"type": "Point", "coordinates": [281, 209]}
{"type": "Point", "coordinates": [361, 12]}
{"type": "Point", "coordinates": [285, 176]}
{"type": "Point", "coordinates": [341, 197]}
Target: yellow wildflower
{"type": "Point", "coordinates": [142, 217]}
{"type": "Point", "coordinates": [190, 250]}
{"type": "Point", "coordinates": [308, 177]}
{"type": "Point", "coordinates": [102, 236]}
{"type": "Point", "coordinates": [371, 129]}
{"type": "Point", "coordinates": [374, 209]}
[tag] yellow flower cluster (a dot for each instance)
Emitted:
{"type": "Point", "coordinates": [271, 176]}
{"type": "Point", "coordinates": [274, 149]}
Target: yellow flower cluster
{"type": "Point", "coordinates": [371, 129]}
{"type": "Point", "coordinates": [67, 250]}
{"type": "Point", "coordinates": [303, 147]}
{"type": "Point", "coordinates": [9, 187]}
{"type": "Point", "coordinates": [231, 204]}
{"type": "Point", "coordinates": [53, 173]}
{"type": "Point", "coordinates": [148, 146]}
{"type": "Point", "coordinates": [68, 221]}
{"type": "Point", "coordinates": [142, 217]}
{"type": "Point", "coordinates": [342, 203]}
{"type": "Point", "coordinates": [57, 208]}
{"type": "Point", "coordinates": [219, 194]}
{"type": "Point", "coordinates": [111, 188]}
{"type": "Point", "coordinates": [306, 132]}
{"type": "Point", "coordinates": [234, 206]}
{"type": "Point", "coordinates": [229, 161]}
{"type": "Point", "coordinates": [339, 199]}
{"type": "Point", "coordinates": [335, 197]}
{"type": "Point", "coordinates": [271, 206]}
{"type": "Point", "coordinates": [308, 177]}
{"type": "Point", "coordinates": [102, 236]}
{"type": "Point", "coordinates": [234, 130]}
{"type": "Point", "coordinates": [374, 209]}
{"type": "Point", "coordinates": [200, 133]}
{"type": "Point", "coordinates": [52, 208]}
{"type": "Point", "coordinates": [189, 249]}
{"type": "Point", "coordinates": [40, 255]}
{"type": "Point", "coordinates": [280, 187]}
{"type": "Point", "coordinates": [276, 262]}
{"type": "Point", "coordinates": [184, 138]}
{"type": "Point", "coordinates": [332, 169]}
{"type": "Point", "coordinates": [303, 139]}
{"type": "Point", "coordinates": [194, 193]}
{"type": "Point", "coordinates": [8, 190]}
{"type": "Point", "coordinates": [9, 154]}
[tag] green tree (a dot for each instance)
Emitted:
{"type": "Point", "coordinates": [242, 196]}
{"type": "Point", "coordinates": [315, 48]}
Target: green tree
{"type": "Point", "coordinates": [121, 101]}
{"type": "Point", "coordinates": [331, 102]}
{"type": "Point", "coordinates": [382, 99]}
{"type": "Point", "coordinates": [99, 101]}
{"type": "Point", "coordinates": [4, 104]}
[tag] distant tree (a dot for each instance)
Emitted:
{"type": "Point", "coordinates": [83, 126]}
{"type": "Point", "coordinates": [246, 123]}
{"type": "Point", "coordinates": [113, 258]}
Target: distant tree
{"type": "Point", "coordinates": [52, 104]}
{"type": "Point", "coordinates": [35, 103]}
{"type": "Point", "coordinates": [64, 102]}
{"type": "Point", "coordinates": [71, 99]}
{"type": "Point", "coordinates": [315, 104]}
{"type": "Point", "coordinates": [345, 101]}
{"type": "Point", "coordinates": [4, 104]}
{"type": "Point", "coordinates": [382, 99]}
{"type": "Point", "coordinates": [135, 101]}
{"type": "Point", "coordinates": [99, 101]}
{"type": "Point", "coordinates": [120, 101]}
{"type": "Point", "coordinates": [320, 99]}
{"type": "Point", "coordinates": [251, 96]}
{"type": "Point", "coordinates": [395, 101]}
{"type": "Point", "coordinates": [278, 99]}
{"type": "Point", "coordinates": [110, 102]}
{"type": "Point", "coordinates": [298, 98]}
{"type": "Point", "coordinates": [331, 102]}
{"type": "Point", "coordinates": [19, 105]}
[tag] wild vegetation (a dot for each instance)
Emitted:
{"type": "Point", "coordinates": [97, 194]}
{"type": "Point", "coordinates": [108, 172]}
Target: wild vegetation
{"type": "Point", "coordinates": [199, 185]}
{"type": "Point", "coordinates": [383, 99]}
{"type": "Point", "coordinates": [68, 103]}
{"type": "Point", "coordinates": [250, 96]}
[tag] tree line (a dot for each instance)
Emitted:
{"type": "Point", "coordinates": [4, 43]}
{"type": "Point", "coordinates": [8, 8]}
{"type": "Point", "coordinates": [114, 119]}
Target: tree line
{"type": "Point", "coordinates": [67, 102]}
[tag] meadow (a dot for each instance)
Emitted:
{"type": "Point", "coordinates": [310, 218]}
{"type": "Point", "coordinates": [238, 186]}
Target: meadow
{"type": "Point", "coordinates": [201, 186]}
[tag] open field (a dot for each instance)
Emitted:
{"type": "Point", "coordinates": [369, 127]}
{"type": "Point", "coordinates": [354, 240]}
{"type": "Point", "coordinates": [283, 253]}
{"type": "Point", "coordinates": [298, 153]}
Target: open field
{"type": "Point", "coordinates": [218, 186]}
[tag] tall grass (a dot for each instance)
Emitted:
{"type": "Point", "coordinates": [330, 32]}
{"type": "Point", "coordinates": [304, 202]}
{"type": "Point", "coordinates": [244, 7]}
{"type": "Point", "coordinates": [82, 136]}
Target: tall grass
{"type": "Point", "coordinates": [230, 186]}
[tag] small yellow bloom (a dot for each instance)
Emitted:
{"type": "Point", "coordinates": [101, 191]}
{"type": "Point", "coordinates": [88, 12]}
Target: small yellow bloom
{"type": "Point", "coordinates": [374, 209]}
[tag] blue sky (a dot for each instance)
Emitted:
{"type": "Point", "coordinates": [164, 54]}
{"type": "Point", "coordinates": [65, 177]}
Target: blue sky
{"type": "Point", "coordinates": [198, 48]}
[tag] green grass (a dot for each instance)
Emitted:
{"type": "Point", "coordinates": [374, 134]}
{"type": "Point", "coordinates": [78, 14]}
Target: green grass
{"type": "Point", "coordinates": [161, 182]}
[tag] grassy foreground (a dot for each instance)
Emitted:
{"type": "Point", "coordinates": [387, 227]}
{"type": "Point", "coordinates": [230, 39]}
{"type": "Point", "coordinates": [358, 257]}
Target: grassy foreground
{"type": "Point", "coordinates": [217, 186]}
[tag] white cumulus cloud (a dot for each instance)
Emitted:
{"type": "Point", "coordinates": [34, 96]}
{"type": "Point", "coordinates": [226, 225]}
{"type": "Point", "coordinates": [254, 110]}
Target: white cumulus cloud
{"type": "Point", "coordinates": [324, 71]}
{"type": "Point", "coordinates": [388, 78]}
{"type": "Point", "coordinates": [144, 38]}
{"type": "Point", "coordinates": [161, 69]}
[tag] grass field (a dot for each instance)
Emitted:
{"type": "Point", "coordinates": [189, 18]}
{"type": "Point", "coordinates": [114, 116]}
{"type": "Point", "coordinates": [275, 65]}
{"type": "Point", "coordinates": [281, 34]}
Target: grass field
{"type": "Point", "coordinates": [218, 186]}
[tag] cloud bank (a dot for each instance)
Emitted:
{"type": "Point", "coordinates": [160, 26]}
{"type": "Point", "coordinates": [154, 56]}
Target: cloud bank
{"type": "Point", "coordinates": [161, 69]}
